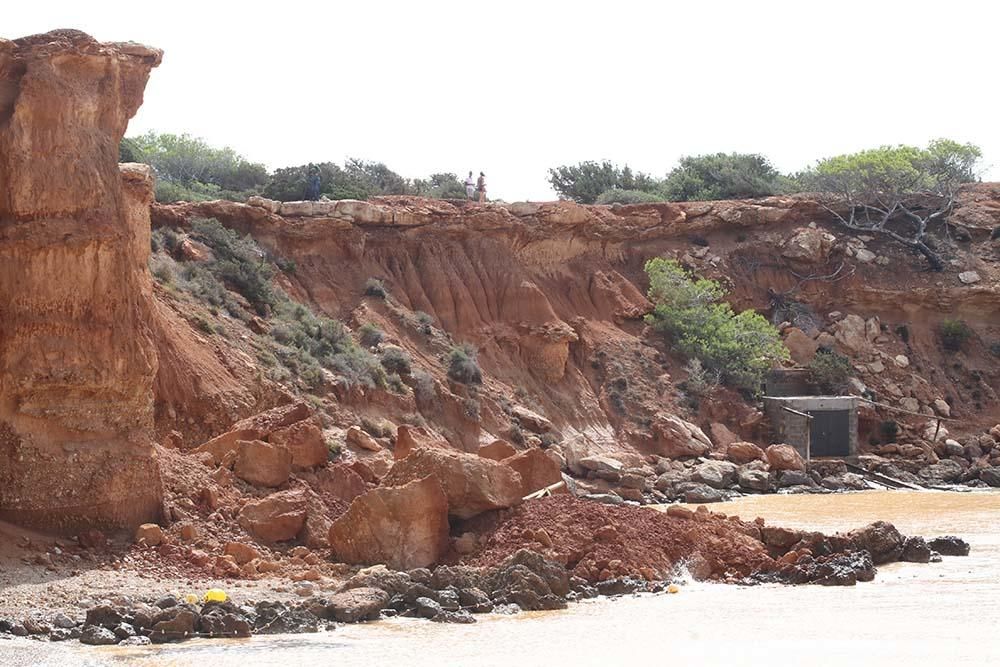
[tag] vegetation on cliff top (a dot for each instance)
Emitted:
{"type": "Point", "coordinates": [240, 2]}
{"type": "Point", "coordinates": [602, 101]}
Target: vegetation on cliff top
{"type": "Point", "coordinates": [896, 191]}
{"type": "Point", "coordinates": [741, 348]}
{"type": "Point", "coordinates": [891, 171]}
{"type": "Point", "coordinates": [188, 169]}
{"type": "Point", "coordinates": [701, 177]}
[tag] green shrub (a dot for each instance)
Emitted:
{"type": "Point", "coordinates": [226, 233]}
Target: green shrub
{"type": "Point", "coordinates": [286, 265]}
{"type": "Point", "coordinates": [377, 429]}
{"type": "Point", "coordinates": [700, 381]}
{"type": "Point", "coordinates": [954, 334]}
{"type": "Point", "coordinates": [424, 389]}
{"type": "Point", "coordinates": [617, 196]}
{"type": "Point", "coordinates": [162, 269]}
{"type": "Point", "coordinates": [722, 176]}
{"type": "Point", "coordinates": [830, 370]}
{"type": "Point", "coordinates": [395, 383]}
{"type": "Point", "coordinates": [203, 325]}
{"type": "Point", "coordinates": [164, 238]}
{"type": "Point", "coordinates": [359, 367]}
{"type": "Point", "coordinates": [424, 322]}
{"type": "Point", "coordinates": [463, 365]}
{"type": "Point", "coordinates": [334, 448]}
{"type": "Point", "coordinates": [189, 169]}
{"type": "Point", "coordinates": [395, 360]}
{"type": "Point", "coordinates": [586, 181]}
{"type": "Point", "coordinates": [376, 288]}
{"type": "Point", "coordinates": [471, 408]}
{"type": "Point", "coordinates": [370, 335]}
{"type": "Point", "coordinates": [239, 262]}
{"type": "Point", "coordinates": [741, 348]}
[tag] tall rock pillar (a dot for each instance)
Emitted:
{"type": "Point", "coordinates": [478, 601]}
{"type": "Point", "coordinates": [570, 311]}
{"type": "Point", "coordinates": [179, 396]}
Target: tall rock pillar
{"type": "Point", "coordinates": [77, 358]}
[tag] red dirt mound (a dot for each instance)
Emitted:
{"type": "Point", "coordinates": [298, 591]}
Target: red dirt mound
{"type": "Point", "coordinates": [598, 542]}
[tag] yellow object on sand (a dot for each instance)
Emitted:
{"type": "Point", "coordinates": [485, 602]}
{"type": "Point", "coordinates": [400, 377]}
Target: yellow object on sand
{"type": "Point", "coordinates": [673, 588]}
{"type": "Point", "coordinates": [215, 595]}
{"type": "Point", "coordinates": [191, 598]}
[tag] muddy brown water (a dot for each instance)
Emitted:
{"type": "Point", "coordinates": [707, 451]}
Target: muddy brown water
{"type": "Point", "coordinates": [938, 614]}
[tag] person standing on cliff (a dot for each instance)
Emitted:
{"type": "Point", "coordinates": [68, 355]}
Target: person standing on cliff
{"type": "Point", "coordinates": [470, 187]}
{"type": "Point", "coordinates": [313, 183]}
{"type": "Point", "coordinates": [481, 187]}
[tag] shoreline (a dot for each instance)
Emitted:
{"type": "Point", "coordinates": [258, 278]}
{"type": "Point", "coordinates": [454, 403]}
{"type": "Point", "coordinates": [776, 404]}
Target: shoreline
{"type": "Point", "coordinates": [449, 593]}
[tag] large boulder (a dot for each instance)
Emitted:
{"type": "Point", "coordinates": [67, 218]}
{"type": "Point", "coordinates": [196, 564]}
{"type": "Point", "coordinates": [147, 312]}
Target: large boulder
{"type": "Point", "coordinates": [753, 479]}
{"type": "Point", "coordinates": [744, 452]}
{"type": "Point", "coordinates": [267, 426]}
{"type": "Point", "coordinates": [340, 481]}
{"type": "Point", "coordinates": [784, 457]}
{"type": "Point", "coordinates": [808, 245]}
{"type": "Point", "coordinates": [269, 421]}
{"type": "Point", "coordinates": [404, 527]}
{"type": "Point", "coordinates": [880, 539]}
{"type": "Point", "coordinates": [304, 440]}
{"type": "Point", "coordinates": [800, 346]}
{"type": "Point", "coordinates": [357, 604]}
{"type": "Point", "coordinates": [278, 517]}
{"type": "Point", "coordinates": [530, 419]}
{"type": "Point", "coordinates": [262, 464]}
{"type": "Point", "coordinates": [536, 468]}
{"type": "Point", "coordinates": [852, 334]}
{"type": "Point", "coordinates": [497, 450]}
{"type": "Point", "coordinates": [472, 483]}
{"type": "Point", "coordinates": [410, 437]}
{"type": "Point", "coordinates": [716, 474]}
{"type": "Point", "coordinates": [721, 435]}
{"type": "Point", "coordinates": [674, 438]}
{"type": "Point", "coordinates": [990, 475]}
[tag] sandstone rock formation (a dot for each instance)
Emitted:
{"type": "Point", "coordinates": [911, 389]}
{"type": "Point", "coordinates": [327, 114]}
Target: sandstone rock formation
{"type": "Point", "coordinates": [76, 354]}
{"type": "Point", "coordinates": [675, 437]}
{"type": "Point", "coordinates": [784, 457]}
{"type": "Point", "coordinates": [278, 517]}
{"type": "Point", "coordinates": [498, 450]}
{"type": "Point", "coordinates": [403, 527]}
{"type": "Point", "coordinates": [536, 468]}
{"type": "Point", "coordinates": [261, 463]}
{"type": "Point", "coordinates": [473, 484]}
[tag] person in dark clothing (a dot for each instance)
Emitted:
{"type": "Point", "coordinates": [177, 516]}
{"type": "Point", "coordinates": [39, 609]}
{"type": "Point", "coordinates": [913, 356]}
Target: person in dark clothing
{"type": "Point", "coordinates": [312, 183]}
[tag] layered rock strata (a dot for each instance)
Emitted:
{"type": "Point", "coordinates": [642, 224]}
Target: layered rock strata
{"type": "Point", "coordinates": [77, 359]}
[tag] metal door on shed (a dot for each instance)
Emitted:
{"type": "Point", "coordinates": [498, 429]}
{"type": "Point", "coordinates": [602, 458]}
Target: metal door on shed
{"type": "Point", "coordinates": [828, 433]}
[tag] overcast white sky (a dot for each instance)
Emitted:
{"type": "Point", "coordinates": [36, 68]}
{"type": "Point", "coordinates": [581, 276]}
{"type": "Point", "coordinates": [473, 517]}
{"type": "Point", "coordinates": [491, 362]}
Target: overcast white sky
{"type": "Point", "coordinates": [512, 88]}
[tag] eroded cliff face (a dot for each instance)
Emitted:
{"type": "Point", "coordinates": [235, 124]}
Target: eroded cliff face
{"type": "Point", "coordinates": [552, 296]}
{"type": "Point", "coordinates": [77, 359]}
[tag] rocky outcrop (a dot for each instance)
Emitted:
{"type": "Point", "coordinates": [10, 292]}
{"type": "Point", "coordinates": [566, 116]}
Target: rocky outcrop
{"type": "Point", "coordinates": [784, 457]}
{"type": "Point", "coordinates": [473, 484]}
{"type": "Point", "coordinates": [404, 527]}
{"type": "Point", "coordinates": [675, 437]}
{"type": "Point", "coordinates": [536, 468]}
{"type": "Point", "coordinates": [278, 517]}
{"type": "Point", "coordinates": [77, 359]}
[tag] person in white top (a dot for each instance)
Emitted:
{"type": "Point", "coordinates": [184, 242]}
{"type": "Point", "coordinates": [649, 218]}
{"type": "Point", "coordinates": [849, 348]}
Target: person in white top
{"type": "Point", "coordinates": [470, 187]}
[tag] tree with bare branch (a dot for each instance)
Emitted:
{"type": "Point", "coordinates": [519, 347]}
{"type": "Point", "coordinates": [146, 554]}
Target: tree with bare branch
{"type": "Point", "coordinates": [896, 191]}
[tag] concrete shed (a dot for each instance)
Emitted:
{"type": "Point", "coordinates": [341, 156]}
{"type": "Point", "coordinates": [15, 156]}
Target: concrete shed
{"type": "Point", "coordinates": [832, 431]}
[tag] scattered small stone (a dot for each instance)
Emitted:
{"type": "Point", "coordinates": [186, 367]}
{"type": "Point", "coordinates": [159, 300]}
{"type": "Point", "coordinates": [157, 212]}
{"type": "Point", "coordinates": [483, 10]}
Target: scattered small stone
{"type": "Point", "coordinates": [969, 277]}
